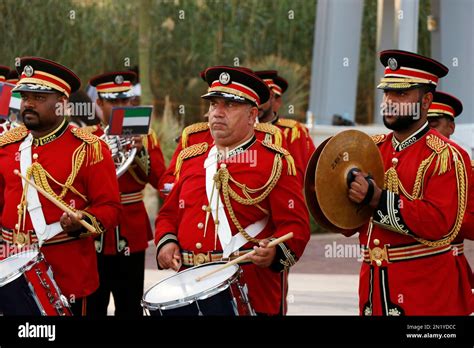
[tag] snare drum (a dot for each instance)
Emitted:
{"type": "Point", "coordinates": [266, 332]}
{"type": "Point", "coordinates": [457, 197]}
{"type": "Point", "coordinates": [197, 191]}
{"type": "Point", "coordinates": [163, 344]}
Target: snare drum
{"type": "Point", "coordinates": [27, 286]}
{"type": "Point", "coordinates": [219, 294]}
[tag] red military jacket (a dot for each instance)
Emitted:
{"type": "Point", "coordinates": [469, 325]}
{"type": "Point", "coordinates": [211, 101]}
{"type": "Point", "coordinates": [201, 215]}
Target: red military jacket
{"type": "Point", "coordinates": [198, 133]}
{"type": "Point", "coordinates": [182, 219]}
{"type": "Point", "coordinates": [134, 231]}
{"type": "Point", "coordinates": [300, 144]}
{"type": "Point", "coordinates": [58, 155]}
{"type": "Point", "coordinates": [467, 229]}
{"type": "Point", "coordinates": [466, 232]}
{"type": "Point", "coordinates": [409, 267]}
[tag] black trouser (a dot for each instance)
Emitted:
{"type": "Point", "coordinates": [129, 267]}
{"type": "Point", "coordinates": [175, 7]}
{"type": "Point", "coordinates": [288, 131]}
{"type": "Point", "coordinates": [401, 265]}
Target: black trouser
{"type": "Point", "coordinates": [123, 276]}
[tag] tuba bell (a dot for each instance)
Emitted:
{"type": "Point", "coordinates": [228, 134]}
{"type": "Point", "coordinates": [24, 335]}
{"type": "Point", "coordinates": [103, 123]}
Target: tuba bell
{"type": "Point", "coordinates": [123, 153]}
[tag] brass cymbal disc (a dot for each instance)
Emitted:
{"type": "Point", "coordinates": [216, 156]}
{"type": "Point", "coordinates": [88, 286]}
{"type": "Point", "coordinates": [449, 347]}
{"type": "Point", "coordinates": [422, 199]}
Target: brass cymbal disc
{"type": "Point", "coordinates": [341, 153]}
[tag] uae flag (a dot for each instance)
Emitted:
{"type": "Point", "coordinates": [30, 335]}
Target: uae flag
{"type": "Point", "coordinates": [5, 97]}
{"type": "Point", "coordinates": [14, 112]}
{"type": "Point", "coordinates": [130, 120]}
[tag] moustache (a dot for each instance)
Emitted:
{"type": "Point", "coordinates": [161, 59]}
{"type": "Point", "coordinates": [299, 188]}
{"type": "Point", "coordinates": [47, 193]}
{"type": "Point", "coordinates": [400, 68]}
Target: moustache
{"type": "Point", "coordinates": [29, 111]}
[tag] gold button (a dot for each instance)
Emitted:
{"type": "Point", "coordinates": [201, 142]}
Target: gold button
{"type": "Point", "coordinates": [198, 245]}
{"type": "Point", "coordinates": [394, 161]}
{"type": "Point", "coordinates": [200, 225]}
{"type": "Point", "coordinates": [376, 242]}
{"type": "Point", "coordinates": [204, 207]}
{"type": "Point", "coordinates": [223, 165]}
{"type": "Point", "coordinates": [35, 156]}
{"type": "Point", "coordinates": [378, 263]}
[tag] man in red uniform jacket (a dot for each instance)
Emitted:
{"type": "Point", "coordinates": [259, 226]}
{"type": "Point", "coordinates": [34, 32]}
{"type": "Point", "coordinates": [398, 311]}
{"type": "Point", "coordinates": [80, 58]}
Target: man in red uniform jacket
{"type": "Point", "coordinates": [64, 161]}
{"type": "Point", "coordinates": [200, 132]}
{"type": "Point", "coordinates": [409, 268]}
{"type": "Point", "coordinates": [299, 142]}
{"type": "Point", "coordinates": [121, 250]}
{"type": "Point", "coordinates": [268, 202]}
{"type": "Point", "coordinates": [441, 115]}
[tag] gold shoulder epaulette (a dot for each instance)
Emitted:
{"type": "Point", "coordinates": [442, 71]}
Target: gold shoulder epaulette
{"type": "Point", "coordinates": [92, 144]}
{"type": "Point", "coordinates": [13, 135]}
{"type": "Point", "coordinates": [435, 143]}
{"type": "Point", "coordinates": [84, 135]}
{"type": "Point", "coordinates": [150, 141]}
{"type": "Point", "coordinates": [285, 153]}
{"type": "Point", "coordinates": [268, 128]}
{"type": "Point", "coordinates": [441, 149]}
{"type": "Point", "coordinates": [91, 129]}
{"type": "Point", "coordinates": [193, 128]}
{"type": "Point", "coordinates": [289, 124]}
{"type": "Point", "coordinates": [188, 152]}
{"type": "Point", "coordinates": [379, 138]}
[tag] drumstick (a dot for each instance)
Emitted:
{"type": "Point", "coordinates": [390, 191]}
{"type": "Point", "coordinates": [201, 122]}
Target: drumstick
{"type": "Point", "coordinates": [243, 257]}
{"type": "Point", "coordinates": [61, 206]}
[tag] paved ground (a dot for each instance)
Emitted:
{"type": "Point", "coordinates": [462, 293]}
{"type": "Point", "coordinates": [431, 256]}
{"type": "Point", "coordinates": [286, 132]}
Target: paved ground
{"type": "Point", "coordinates": [323, 282]}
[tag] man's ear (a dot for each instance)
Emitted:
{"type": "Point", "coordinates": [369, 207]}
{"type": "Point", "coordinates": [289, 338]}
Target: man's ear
{"type": "Point", "coordinates": [427, 100]}
{"type": "Point", "coordinates": [452, 127]}
{"type": "Point", "coordinates": [100, 102]}
{"type": "Point", "coordinates": [63, 101]}
{"type": "Point", "coordinates": [253, 115]}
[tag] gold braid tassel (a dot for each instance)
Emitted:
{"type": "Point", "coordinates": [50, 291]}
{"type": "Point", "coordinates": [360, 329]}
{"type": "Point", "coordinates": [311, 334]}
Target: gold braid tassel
{"type": "Point", "coordinates": [94, 153]}
{"type": "Point", "coordinates": [154, 140]}
{"type": "Point", "coordinates": [443, 163]}
{"type": "Point", "coordinates": [291, 165]}
{"type": "Point", "coordinates": [145, 141]}
{"type": "Point", "coordinates": [270, 129]}
{"type": "Point", "coordinates": [277, 138]}
{"type": "Point", "coordinates": [391, 180]}
{"type": "Point", "coordinates": [295, 133]}
{"type": "Point", "coordinates": [93, 145]}
{"type": "Point", "coordinates": [289, 159]}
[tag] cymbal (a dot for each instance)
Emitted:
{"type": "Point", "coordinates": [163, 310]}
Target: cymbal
{"type": "Point", "coordinates": [310, 191]}
{"type": "Point", "coordinates": [326, 179]}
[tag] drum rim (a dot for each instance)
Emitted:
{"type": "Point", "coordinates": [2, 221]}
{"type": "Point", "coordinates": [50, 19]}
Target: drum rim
{"type": "Point", "coordinates": [18, 272]}
{"type": "Point", "coordinates": [190, 299]}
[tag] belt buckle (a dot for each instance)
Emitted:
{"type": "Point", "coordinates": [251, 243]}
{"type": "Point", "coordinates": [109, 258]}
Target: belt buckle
{"type": "Point", "coordinates": [201, 258]}
{"type": "Point", "coordinates": [378, 255]}
{"type": "Point", "coordinates": [20, 238]}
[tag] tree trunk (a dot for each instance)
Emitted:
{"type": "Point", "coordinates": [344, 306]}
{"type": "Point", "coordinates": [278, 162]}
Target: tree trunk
{"type": "Point", "coordinates": [144, 31]}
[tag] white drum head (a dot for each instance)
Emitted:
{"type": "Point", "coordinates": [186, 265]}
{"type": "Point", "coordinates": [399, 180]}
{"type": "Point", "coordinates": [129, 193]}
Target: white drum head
{"type": "Point", "coordinates": [12, 267]}
{"type": "Point", "coordinates": [183, 286]}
